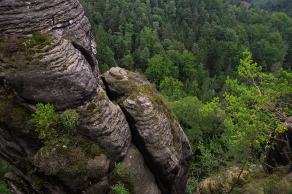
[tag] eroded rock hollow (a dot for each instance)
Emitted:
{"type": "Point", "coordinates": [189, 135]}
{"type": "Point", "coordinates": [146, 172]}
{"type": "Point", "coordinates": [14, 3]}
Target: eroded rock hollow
{"type": "Point", "coordinates": [125, 134]}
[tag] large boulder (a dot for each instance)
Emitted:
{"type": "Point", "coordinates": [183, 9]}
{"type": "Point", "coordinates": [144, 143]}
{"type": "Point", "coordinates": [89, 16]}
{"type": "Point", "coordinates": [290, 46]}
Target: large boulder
{"type": "Point", "coordinates": [156, 131]}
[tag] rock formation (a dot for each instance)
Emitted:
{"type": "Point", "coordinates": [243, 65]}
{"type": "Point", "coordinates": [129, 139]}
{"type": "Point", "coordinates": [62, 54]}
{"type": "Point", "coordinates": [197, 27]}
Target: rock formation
{"type": "Point", "coordinates": [156, 132]}
{"type": "Point", "coordinates": [225, 182]}
{"type": "Point", "coordinates": [126, 134]}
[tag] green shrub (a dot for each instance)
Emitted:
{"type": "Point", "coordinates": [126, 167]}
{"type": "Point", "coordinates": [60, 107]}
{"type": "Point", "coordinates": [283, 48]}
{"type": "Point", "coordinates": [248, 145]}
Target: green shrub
{"type": "Point", "coordinates": [4, 188]}
{"type": "Point", "coordinates": [69, 119]}
{"type": "Point", "coordinates": [123, 175]}
{"type": "Point", "coordinates": [119, 189]}
{"type": "Point", "coordinates": [191, 185]}
{"type": "Point", "coordinates": [45, 120]}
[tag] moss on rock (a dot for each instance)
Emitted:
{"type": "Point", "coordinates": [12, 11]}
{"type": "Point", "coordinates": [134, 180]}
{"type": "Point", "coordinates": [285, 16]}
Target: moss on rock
{"type": "Point", "coordinates": [38, 40]}
{"type": "Point", "coordinates": [122, 175]}
{"type": "Point", "coordinates": [68, 161]}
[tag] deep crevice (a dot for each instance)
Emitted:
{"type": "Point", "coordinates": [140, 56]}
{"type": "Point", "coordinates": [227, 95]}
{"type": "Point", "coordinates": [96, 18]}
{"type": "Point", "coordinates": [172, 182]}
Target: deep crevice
{"type": "Point", "coordinates": [139, 143]}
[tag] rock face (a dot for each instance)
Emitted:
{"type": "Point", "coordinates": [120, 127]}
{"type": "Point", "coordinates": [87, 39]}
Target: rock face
{"type": "Point", "coordinates": [134, 161]}
{"type": "Point", "coordinates": [104, 122]}
{"type": "Point", "coordinates": [47, 55]}
{"type": "Point", "coordinates": [62, 17]}
{"type": "Point", "coordinates": [56, 73]}
{"type": "Point", "coordinates": [156, 131]}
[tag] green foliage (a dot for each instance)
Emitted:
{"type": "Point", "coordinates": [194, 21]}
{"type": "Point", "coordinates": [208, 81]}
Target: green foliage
{"type": "Point", "coordinates": [50, 124]}
{"type": "Point", "coordinates": [128, 62]}
{"type": "Point", "coordinates": [160, 66]}
{"type": "Point", "coordinates": [203, 123]}
{"type": "Point", "coordinates": [122, 175]}
{"type": "Point", "coordinates": [119, 189]}
{"type": "Point", "coordinates": [70, 119]}
{"type": "Point", "coordinates": [251, 107]}
{"type": "Point", "coordinates": [191, 185]}
{"type": "Point", "coordinates": [171, 88]}
{"type": "Point", "coordinates": [187, 41]}
{"type": "Point", "coordinates": [45, 121]}
{"type": "Point", "coordinates": [274, 5]}
{"type": "Point", "coordinates": [235, 127]}
{"type": "Point", "coordinates": [199, 120]}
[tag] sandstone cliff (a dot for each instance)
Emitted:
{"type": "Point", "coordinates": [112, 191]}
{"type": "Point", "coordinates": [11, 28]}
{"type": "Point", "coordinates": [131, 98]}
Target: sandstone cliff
{"type": "Point", "coordinates": [125, 133]}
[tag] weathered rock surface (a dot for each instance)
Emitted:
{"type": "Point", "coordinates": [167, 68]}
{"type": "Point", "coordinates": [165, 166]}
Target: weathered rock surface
{"type": "Point", "coordinates": [144, 182]}
{"type": "Point", "coordinates": [103, 122]}
{"type": "Point", "coordinates": [62, 17]}
{"type": "Point", "coordinates": [156, 131]}
{"type": "Point", "coordinates": [74, 168]}
{"type": "Point", "coordinates": [57, 73]}
{"type": "Point", "coordinates": [47, 55]}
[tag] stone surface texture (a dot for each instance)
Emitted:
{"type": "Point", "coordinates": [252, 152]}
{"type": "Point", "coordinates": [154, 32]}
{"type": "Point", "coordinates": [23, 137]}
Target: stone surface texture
{"type": "Point", "coordinates": [157, 133]}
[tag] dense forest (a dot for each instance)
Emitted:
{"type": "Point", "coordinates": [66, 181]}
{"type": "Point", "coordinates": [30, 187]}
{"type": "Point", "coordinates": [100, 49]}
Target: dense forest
{"type": "Point", "coordinates": [274, 5]}
{"type": "Point", "coordinates": [195, 43]}
{"type": "Point", "coordinates": [224, 67]}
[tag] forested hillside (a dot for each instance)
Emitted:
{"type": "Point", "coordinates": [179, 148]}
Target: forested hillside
{"type": "Point", "coordinates": [275, 5]}
{"type": "Point", "coordinates": [223, 65]}
{"type": "Point", "coordinates": [199, 41]}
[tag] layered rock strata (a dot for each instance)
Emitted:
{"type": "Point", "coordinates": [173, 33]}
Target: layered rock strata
{"type": "Point", "coordinates": [155, 129]}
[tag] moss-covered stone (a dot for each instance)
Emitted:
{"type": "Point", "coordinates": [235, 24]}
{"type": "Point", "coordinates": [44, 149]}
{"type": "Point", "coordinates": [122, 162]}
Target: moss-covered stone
{"type": "Point", "coordinates": [68, 161]}
{"type": "Point", "coordinates": [38, 40]}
